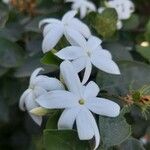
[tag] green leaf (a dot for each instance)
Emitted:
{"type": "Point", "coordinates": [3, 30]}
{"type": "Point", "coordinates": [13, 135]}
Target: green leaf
{"type": "Point", "coordinates": [3, 71]}
{"type": "Point", "coordinates": [64, 140]}
{"type": "Point", "coordinates": [4, 110]}
{"type": "Point", "coordinates": [118, 50]}
{"type": "Point", "coordinates": [144, 51]}
{"type": "Point", "coordinates": [132, 144]}
{"type": "Point", "coordinates": [11, 54]}
{"type": "Point", "coordinates": [131, 23]}
{"type": "Point", "coordinates": [53, 120]}
{"type": "Point", "coordinates": [49, 58]}
{"type": "Point", "coordinates": [104, 23]}
{"type": "Point", "coordinates": [12, 32]}
{"type": "Point", "coordinates": [30, 64]}
{"type": "Point", "coordinates": [113, 131]}
{"type": "Point", "coordinates": [134, 75]}
{"type": "Point", "coordinates": [147, 34]}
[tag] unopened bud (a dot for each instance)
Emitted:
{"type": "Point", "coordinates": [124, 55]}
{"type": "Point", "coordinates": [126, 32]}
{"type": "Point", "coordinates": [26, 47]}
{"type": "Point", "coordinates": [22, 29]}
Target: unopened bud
{"type": "Point", "coordinates": [39, 111]}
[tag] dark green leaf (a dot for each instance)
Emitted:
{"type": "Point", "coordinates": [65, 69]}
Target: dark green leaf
{"type": "Point", "coordinates": [30, 64]}
{"type": "Point", "coordinates": [131, 23]}
{"type": "Point", "coordinates": [144, 51]}
{"type": "Point", "coordinates": [133, 75]}
{"type": "Point", "coordinates": [53, 120]}
{"type": "Point", "coordinates": [3, 71]}
{"type": "Point", "coordinates": [118, 51]}
{"type": "Point", "coordinates": [113, 131]}
{"type": "Point", "coordinates": [50, 59]}
{"type": "Point", "coordinates": [63, 140]}
{"type": "Point", "coordinates": [11, 54]}
{"type": "Point", "coordinates": [132, 144]}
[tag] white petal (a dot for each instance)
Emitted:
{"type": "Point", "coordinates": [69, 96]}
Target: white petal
{"type": "Point", "coordinates": [83, 11]}
{"type": "Point", "coordinates": [52, 38]}
{"type": "Point", "coordinates": [70, 53]}
{"type": "Point", "coordinates": [68, 16]}
{"type": "Point", "coordinates": [90, 6]}
{"type": "Point", "coordinates": [48, 83]}
{"type": "Point", "coordinates": [67, 118]}
{"type": "Point", "coordinates": [91, 90]}
{"type": "Point", "coordinates": [84, 127]}
{"type": "Point", "coordinates": [57, 99]}
{"type": "Point", "coordinates": [23, 99]}
{"type": "Point", "coordinates": [79, 64]}
{"type": "Point", "coordinates": [87, 72]}
{"type": "Point", "coordinates": [93, 43]}
{"type": "Point", "coordinates": [49, 20]}
{"type": "Point", "coordinates": [48, 28]}
{"type": "Point", "coordinates": [30, 102]}
{"type": "Point", "coordinates": [102, 53]}
{"type": "Point", "coordinates": [34, 75]}
{"type": "Point", "coordinates": [38, 91]}
{"type": "Point", "coordinates": [75, 38]}
{"type": "Point", "coordinates": [105, 64]}
{"type": "Point", "coordinates": [103, 107]}
{"type": "Point", "coordinates": [95, 128]}
{"type": "Point", "coordinates": [80, 27]}
{"type": "Point", "coordinates": [71, 78]}
{"type": "Point", "coordinates": [37, 119]}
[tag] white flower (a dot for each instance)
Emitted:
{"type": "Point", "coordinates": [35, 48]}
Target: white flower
{"type": "Point", "coordinates": [87, 53]}
{"type": "Point", "coordinates": [124, 8]}
{"type": "Point", "coordinates": [39, 84]}
{"type": "Point", "coordinates": [55, 29]}
{"type": "Point", "coordinates": [78, 103]}
{"type": "Point", "coordinates": [83, 6]}
{"type": "Point", "coordinates": [119, 22]}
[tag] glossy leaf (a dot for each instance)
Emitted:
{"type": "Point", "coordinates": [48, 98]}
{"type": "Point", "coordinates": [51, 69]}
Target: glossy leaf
{"type": "Point", "coordinates": [113, 131]}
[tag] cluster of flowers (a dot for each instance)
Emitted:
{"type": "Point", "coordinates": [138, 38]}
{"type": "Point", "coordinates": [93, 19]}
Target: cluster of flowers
{"type": "Point", "coordinates": [77, 99]}
{"type": "Point", "coordinates": [124, 8]}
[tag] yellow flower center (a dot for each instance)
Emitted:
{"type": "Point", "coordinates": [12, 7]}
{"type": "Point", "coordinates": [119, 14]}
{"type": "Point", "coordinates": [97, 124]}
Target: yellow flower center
{"type": "Point", "coordinates": [81, 101]}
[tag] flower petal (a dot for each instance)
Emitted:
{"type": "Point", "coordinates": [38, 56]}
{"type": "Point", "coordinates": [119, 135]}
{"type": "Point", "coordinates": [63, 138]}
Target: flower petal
{"type": "Point", "coordinates": [48, 28]}
{"type": "Point", "coordinates": [52, 38]}
{"type": "Point", "coordinates": [84, 127]}
{"type": "Point", "coordinates": [105, 64]}
{"type": "Point", "coordinates": [90, 6]}
{"type": "Point", "coordinates": [37, 119]}
{"type": "Point", "coordinates": [67, 118]}
{"type": "Point", "coordinates": [70, 53]}
{"type": "Point", "coordinates": [68, 16]}
{"type": "Point", "coordinates": [71, 78]}
{"type": "Point", "coordinates": [38, 91]}
{"type": "Point", "coordinates": [34, 75]}
{"type": "Point", "coordinates": [87, 72]}
{"type": "Point", "coordinates": [48, 83]}
{"type": "Point", "coordinates": [83, 11]}
{"type": "Point", "coordinates": [95, 128]}
{"type": "Point", "coordinates": [23, 99]}
{"type": "Point", "coordinates": [49, 20]}
{"type": "Point", "coordinates": [57, 99]}
{"type": "Point", "coordinates": [79, 64]}
{"type": "Point", "coordinates": [93, 43]}
{"type": "Point", "coordinates": [102, 53]}
{"type": "Point", "coordinates": [80, 27]}
{"type": "Point", "coordinates": [103, 107]}
{"type": "Point", "coordinates": [91, 90]}
{"type": "Point", "coordinates": [75, 38]}
{"type": "Point", "coordinates": [30, 102]}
